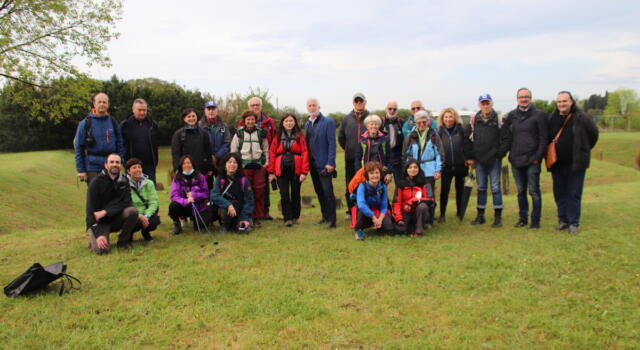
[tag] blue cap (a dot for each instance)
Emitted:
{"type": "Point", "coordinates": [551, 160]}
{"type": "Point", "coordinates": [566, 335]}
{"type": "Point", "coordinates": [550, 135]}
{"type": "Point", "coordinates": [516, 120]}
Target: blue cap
{"type": "Point", "coordinates": [485, 97]}
{"type": "Point", "coordinates": [210, 104]}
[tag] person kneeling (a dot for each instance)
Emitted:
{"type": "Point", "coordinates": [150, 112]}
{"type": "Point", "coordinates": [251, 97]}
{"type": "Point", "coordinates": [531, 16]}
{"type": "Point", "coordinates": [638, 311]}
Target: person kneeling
{"type": "Point", "coordinates": [109, 208]}
{"type": "Point", "coordinates": [143, 197]}
{"type": "Point", "coordinates": [189, 196]}
{"type": "Point", "coordinates": [412, 200]}
{"type": "Point", "coordinates": [372, 201]}
{"type": "Point", "coordinates": [232, 195]}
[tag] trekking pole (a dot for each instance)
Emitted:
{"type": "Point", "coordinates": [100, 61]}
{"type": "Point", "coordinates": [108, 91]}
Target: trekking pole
{"type": "Point", "coordinates": [198, 216]}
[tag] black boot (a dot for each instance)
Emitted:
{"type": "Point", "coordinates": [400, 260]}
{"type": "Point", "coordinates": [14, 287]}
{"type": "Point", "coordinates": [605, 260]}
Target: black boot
{"type": "Point", "coordinates": [146, 235]}
{"type": "Point", "coordinates": [479, 220]}
{"type": "Point", "coordinates": [177, 228]}
{"type": "Point", "coordinates": [497, 220]}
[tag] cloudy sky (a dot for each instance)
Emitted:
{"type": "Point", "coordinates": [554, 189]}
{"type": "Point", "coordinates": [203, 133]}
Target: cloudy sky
{"type": "Point", "coordinates": [445, 53]}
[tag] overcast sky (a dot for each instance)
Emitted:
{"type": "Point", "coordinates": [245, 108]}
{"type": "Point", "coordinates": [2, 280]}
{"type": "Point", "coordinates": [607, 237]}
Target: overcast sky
{"type": "Point", "coordinates": [445, 53]}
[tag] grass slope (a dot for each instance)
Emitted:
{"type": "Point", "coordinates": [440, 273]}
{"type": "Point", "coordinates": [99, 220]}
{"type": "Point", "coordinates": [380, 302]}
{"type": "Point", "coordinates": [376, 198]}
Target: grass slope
{"type": "Point", "coordinates": [459, 287]}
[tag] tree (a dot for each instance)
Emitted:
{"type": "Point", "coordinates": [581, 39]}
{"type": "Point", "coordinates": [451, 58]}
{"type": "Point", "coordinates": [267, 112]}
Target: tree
{"type": "Point", "coordinates": [544, 105]}
{"type": "Point", "coordinates": [625, 103]}
{"type": "Point", "coordinates": [39, 38]}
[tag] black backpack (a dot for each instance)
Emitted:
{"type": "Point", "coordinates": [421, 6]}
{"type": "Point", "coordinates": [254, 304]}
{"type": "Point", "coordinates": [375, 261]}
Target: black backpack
{"type": "Point", "coordinates": [38, 277]}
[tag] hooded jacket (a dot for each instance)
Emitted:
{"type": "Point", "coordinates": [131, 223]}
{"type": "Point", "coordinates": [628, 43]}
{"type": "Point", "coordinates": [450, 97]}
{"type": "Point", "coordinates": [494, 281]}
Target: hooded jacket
{"type": "Point", "coordinates": [105, 193]}
{"type": "Point", "coordinates": [349, 134]}
{"type": "Point", "coordinates": [429, 156]}
{"type": "Point", "coordinates": [529, 131]}
{"type": "Point", "coordinates": [144, 196]}
{"type": "Point", "coordinates": [368, 197]}
{"type": "Point", "coordinates": [196, 184]}
{"type": "Point", "coordinates": [407, 193]}
{"type": "Point", "coordinates": [107, 139]}
{"type": "Point", "coordinates": [489, 141]}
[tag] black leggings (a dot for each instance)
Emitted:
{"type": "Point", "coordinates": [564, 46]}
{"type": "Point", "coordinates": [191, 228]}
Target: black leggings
{"type": "Point", "coordinates": [289, 194]}
{"type": "Point", "coordinates": [176, 211]}
{"type": "Point", "coordinates": [447, 178]}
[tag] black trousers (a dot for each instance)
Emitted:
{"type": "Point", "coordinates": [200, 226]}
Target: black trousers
{"type": "Point", "coordinates": [414, 221]}
{"type": "Point", "coordinates": [365, 221]}
{"type": "Point", "coordinates": [176, 211]}
{"type": "Point", "coordinates": [349, 172]}
{"type": "Point", "coordinates": [289, 194]}
{"type": "Point", "coordinates": [154, 222]}
{"type": "Point", "coordinates": [323, 185]}
{"type": "Point", "coordinates": [447, 178]}
{"type": "Point", "coordinates": [125, 222]}
{"type": "Point", "coordinates": [231, 223]}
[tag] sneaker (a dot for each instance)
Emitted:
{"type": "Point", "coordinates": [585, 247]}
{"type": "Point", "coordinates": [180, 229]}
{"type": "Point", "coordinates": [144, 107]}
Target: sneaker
{"type": "Point", "coordinates": [442, 219]}
{"type": "Point", "coordinates": [359, 235]}
{"type": "Point", "coordinates": [322, 221]}
{"type": "Point", "coordinates": [562, 226]}
{"type": "Point", "coordinates": [347, 217]}
{"type": "Point", "coordinates": [92, 238]}
{"type": "Point", "coordinates": [521, 223]}
{"type": "Point", "coordinates": [534, 225]}
{"type": "Point", "coordinates": [330, 225]}
{"type": "Point", "coordinates": [573, 229]}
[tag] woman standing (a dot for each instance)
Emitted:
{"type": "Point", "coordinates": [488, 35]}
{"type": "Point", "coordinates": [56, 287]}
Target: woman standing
{"type": "Point", "coordinates": [192, 140]}
{"type": "Point", "coordinates": [189, 196]}
{"type": "Point", "coordinates": [372, 201]}
{"type": "Point", "coordinates": [575, 134]}
{"type": "Point", "coordinates": [232, 195]}
{"type": "Point", "coordinates": [412, 200]}
{"type": "Point", "coordinates": [452, 133]}
{"type": "Point", "coordinates": [289, 163]}
{"type": "Point", "coordinates": [375, 147]}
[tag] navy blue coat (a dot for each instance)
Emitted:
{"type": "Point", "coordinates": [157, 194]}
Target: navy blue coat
{"type": "Point", "coordinates": [324, 142]}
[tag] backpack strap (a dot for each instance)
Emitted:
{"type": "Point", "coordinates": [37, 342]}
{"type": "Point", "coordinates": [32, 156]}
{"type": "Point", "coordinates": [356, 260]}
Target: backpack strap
{"type": "Point", "coordinates": [70, 280]}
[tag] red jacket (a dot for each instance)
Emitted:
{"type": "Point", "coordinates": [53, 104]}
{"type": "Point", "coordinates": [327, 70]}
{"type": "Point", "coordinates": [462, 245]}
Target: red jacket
{"type": "Point", "coordinates": [300, 157]}
{"type": "Point", "coordinates": [407, 195]}
{"type": "Point", "coordinates": [266, 123]}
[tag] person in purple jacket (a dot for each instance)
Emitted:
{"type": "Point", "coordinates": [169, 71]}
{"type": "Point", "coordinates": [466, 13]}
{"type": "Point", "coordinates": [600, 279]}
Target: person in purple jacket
{"type": "Point", "coordinates": [189, 193]}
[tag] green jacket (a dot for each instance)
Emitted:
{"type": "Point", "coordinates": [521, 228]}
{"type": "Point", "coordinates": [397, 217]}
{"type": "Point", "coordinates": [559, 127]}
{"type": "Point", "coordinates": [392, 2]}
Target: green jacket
{"type": "Point", "coordinates": [146, 198]}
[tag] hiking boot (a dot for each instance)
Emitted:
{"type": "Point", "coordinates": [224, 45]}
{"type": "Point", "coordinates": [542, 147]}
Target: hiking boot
{"type": "Point", "coordinates": [521, 223]}
{"type": "Point", "coordinates": [562, 226]}
{"type": "Point", "coordinates": [534, 226]}
{"type": "Point", "coordinates": [177, 228]}
{"type": "Point", "coordinates": [573, 229]}
{"type": "Point", "coordinates": [479, 220]}
{"type": "Point", "coordinates": [288, 223]}
{"type": "Point", "coordinates": [359, 235]}
{"type": "Point", "coordinates": [322, 221]}
{"type": "Point", "coordinates": [330, 226]}
{"type": "Point", "coordinates": [146, 235]}
{"type": "Point", "coordinates": [124, 245]}
{"type": "Point", "coordinates": [93, 245]}
{"type": "Point", "coordinates": [497, 220]}
{"type": "Point", "coordinates": [442, 219]}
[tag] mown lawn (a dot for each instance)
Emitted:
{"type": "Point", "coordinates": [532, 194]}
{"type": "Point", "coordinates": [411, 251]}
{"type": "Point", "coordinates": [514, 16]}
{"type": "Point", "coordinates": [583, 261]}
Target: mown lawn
{"type": "Point", "coordinates": [460, 287]}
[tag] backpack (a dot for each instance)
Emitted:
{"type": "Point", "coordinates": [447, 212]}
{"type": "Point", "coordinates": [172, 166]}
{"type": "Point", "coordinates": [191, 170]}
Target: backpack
{"type": "Point", "coordinates": [89, 140]}
{"type": "Point", "coordinates": [262, 134]}
{"type": "Point", "coordinates": [38, 277]}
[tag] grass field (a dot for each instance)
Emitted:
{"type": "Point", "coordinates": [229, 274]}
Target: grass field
{"type": "Point", "coordinates": [459, 287]}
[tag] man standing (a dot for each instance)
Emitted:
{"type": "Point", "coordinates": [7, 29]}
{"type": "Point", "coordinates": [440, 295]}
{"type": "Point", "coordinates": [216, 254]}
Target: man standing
{"type": "Point", "coordinates": [109, 207]}
{"type": "Point", "coordinates": [219, 135]}
{"type": "Point", "coordinates": [97, 136]}
{"type": "Point", "coordinates": [351, 128]}
{"type": "Point", "coordinates": [267, 124]}
{"type": "Point", "coordinates": [529, 129]}
{"type": "Point", "coordinates": [140, 136]}
{"type": "Point", "coordinates": [410, 124]}
{"type": "Point", "coordinates": [321, 141]}
{"type": "Point", "coordinates": [489, 144]}
{"type": "Point", "coordinates": [392, 127]}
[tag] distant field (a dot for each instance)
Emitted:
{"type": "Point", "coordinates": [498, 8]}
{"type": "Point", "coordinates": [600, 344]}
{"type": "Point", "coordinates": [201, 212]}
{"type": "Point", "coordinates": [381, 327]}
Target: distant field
{"type": "Point", "coordinates": [618, 147]}
{"type": "Point", "coordinates": [460, 287]}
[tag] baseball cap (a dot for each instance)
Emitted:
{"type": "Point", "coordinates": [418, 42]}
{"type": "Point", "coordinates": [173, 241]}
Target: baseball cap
{"type": "Point", "coordinates": [359, 95]}
{"type": "Point", "coordinates": [485, 97]}
{"type": "Point", "coordinates": [210, 104]}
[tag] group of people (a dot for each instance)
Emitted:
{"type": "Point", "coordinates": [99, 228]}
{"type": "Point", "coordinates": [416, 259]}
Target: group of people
{"type": "Point", "coordinates": [224, 173]}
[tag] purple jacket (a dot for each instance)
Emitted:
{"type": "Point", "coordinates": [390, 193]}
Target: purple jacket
{"type": "Point", "coordinates": [198, 188]}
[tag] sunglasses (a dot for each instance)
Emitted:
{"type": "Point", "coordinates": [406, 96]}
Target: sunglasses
{"type": "Point", "coordinates": [358, 100]}
{"type": "Point", "coordinates": [392, 109]}
{"type": "Point", "coordinates": [416, 108]}
{"type": "Point", "coordinates": [422, 122]}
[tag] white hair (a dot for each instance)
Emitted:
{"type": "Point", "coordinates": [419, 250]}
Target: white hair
{"type": "Point", "coordinates": [392, 101]}
{"type": "Point", "coordinates": [372, 118]}
{"type": "Point", "coordinates": [422, 114]}
{"type": "Point", "coordinates": [314, 100]}
{"type": "Point", "coordinates": [253, 99]}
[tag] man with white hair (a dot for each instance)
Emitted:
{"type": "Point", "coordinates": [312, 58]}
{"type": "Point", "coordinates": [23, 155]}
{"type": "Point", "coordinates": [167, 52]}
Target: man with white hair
{"type": "Point", "coordinates": [392, 127]}
{"type": "Point", "coordinates": [410, 124]}
{"type": "Point", "coordinates": [320, 133]}
{"type": "Point", "coordinates": [267, 124]}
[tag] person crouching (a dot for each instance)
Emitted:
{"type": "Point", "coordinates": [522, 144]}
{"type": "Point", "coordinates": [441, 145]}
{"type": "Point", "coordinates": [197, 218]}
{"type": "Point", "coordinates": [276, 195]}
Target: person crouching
{"type": "Point", "coordinates": [412, 200]}
{"type": "Point", "coordinates": [189, 196]}
{"type": "Point", "coordinates": [143, 197]}
{"type": "Point", "coordinates": [372, 201]}
{"type": "Point", "coordinates": [232, 195]}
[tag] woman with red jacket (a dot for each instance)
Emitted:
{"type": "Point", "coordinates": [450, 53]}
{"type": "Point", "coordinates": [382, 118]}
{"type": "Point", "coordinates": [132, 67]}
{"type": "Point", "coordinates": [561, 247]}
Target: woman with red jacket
{"type": "Point", "coordinates": [412, 200]}
{"type": "Point", "coordinates": [289, 163]}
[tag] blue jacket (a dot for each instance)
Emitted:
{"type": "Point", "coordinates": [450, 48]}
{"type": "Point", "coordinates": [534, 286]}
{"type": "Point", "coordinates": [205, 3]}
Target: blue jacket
{"type": "Point", "coordinates": [368, 197]}
{"type": "Point", "coordinates": [108, 139]}
{"type": "Point", "coordinates": [324, 142]}
{"type": "Point", "coordinates": [219, 136]}
{"type": "Point", "coordinates": [429, 157]}
{"type": "Point", "coordinates": [410, 125]}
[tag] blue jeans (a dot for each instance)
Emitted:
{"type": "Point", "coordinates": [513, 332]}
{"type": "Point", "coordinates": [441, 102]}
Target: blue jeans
{"type": "Point", "coordinates": [528, 177]}
{"type": "Point", "coordinates": [567, 192]}
{"type": "Point", "coordinates": [483, 175]}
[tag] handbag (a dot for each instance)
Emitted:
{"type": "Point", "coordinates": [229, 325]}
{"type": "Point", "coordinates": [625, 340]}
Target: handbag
{"type": "Point", "coordinates": [552, 155]}
{"type": "Point", "coordinates": [38, 277]}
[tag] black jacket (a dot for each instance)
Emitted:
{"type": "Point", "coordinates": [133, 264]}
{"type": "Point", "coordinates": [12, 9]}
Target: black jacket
{"type": "Point", "coordinates": [140, 139]}
{"type": "Point", "coordinates": [453, 145]}
{"type": "Point", "coordinates": [111, 195]}
{"type": "Point", "coordinates": [529, 130]}
{"type": "Point", "coordinates": [585, 137]}
{"type": "Point", "coordinates": [349, 134]}
{"type": "Point", "coordinates": [489, 141]}
{"type": "Point", "coordinates": [396, 150]}
{"type": "Point", "coordinates": [194, 142]}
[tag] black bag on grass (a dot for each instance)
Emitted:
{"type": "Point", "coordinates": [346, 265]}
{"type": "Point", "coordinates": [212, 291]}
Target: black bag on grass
{"type": "Point", "coordinates": [37, 277]}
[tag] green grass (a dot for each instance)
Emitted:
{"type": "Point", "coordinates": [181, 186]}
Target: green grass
{"type": "Point", "coordinates": [460, 287]}
{"type": "Point", "coordinates": [618, 147]}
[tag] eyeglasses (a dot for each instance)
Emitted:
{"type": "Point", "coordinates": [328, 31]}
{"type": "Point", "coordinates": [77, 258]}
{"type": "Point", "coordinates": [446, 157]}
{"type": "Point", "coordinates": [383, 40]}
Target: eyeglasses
{"type": "Point", "coordinates": [421, 122]}
{"type": "Point", "coordinates": [255, 105]}
{"type": "Point", "coordinates": [416, 108]}
{"type": "Point", "coordinates": [392, 109]}
{"type": "Point", "coordinates": [524, 97]}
